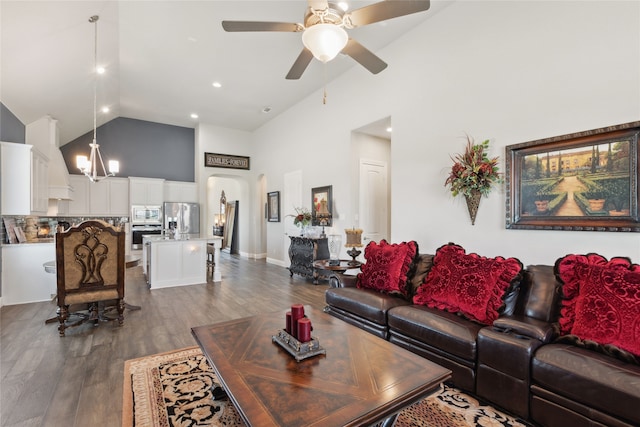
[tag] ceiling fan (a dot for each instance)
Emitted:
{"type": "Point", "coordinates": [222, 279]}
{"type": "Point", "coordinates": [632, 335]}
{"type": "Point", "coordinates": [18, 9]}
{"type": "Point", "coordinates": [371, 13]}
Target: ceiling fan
{"type": "Point", "coordinates": [324, 34]}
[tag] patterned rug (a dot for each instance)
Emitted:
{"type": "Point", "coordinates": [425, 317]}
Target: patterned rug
{"type": "Point", "coordinates": [175, 389]}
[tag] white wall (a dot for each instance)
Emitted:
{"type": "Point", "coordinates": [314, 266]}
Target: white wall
{"type": "Point", "coordinates": [215, 139]}
{"type": "Point", "coordinates": [506, 71]}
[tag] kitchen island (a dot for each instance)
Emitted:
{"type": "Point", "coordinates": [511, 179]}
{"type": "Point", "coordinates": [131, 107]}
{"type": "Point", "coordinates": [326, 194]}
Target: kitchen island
{"type": "Point", "coordinates": [23, 278]}
{"type": "Point", "coordinates": [168, 261]}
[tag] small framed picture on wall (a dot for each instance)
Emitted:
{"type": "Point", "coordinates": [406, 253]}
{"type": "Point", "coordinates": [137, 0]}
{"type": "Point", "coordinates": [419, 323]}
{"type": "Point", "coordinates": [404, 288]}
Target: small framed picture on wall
{"type": "Point", "coordinates": [273, 206]}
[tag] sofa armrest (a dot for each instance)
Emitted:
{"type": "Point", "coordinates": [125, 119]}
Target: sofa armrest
{"type": "Point", "coordinates": [343, 281]}
{"type": "Point", "coordinates": [526, 327]}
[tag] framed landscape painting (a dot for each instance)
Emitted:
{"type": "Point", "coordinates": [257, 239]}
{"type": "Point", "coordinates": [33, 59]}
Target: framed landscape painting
{"type": "Point", "coordinates": [585, 181]}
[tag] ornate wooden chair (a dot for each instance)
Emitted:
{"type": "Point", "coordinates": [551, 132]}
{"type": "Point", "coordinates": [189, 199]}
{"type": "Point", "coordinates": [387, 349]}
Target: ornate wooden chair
{"type": "Point", "coordinates": [90, 269]}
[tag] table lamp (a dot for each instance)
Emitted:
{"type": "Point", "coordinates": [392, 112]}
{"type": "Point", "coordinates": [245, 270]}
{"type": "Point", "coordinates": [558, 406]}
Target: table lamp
{"type": "Point", "coordinates": [354, 240]}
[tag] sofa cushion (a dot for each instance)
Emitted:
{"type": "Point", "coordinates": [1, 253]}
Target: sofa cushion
{"type": "Point", "coordinates": [366, 303]}
{"type": "Point", "coordinates": [386, 267]}
{"type": "Point", "coordinates": [589, 378]}
{"type": "Point", "coordinates": [448, 332]}
{"type": "Point", "coordinates": [601, 300]}
{"type": "Point", "coordinates": [469, 284]}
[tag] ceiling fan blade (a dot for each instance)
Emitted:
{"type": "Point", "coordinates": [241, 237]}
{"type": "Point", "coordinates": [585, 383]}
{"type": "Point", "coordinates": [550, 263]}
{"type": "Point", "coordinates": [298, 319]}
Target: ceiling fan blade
{"type": "Point", "coordinates": [364, 56]}
{"type": "Point", "coordinates": [234, 26]}
{"type": "Point", "coordinates": [318, 4]}
{"type": "Point", "coordinates": [384, 10]}
{"type": "Point", "coordinates": [300, 65]}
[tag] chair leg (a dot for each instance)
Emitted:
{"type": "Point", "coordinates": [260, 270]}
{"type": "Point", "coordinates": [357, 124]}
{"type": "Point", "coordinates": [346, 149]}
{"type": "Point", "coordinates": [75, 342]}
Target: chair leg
{"type": "Point", "coordinates": [63, 313]}
{"type": "Point", "coordinates": [120, 311]}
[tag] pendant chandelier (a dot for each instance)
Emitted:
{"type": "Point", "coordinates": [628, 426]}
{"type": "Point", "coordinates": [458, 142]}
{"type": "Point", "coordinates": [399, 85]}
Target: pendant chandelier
{"type": "Point", "coordinates": [89, 166]}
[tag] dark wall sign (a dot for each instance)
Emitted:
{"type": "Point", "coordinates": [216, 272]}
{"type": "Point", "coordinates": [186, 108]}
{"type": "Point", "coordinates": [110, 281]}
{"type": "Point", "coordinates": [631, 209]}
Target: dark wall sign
{"type": "Point", "coordinates": [214, 160]}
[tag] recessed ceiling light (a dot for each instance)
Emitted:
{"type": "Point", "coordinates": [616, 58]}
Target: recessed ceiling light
{"type": "Point", "coordinates": [343, 5]}
{"type": "Point", "coordinates": [105, 109]}
{"type": "Point", "coordinates": [100, 70]}
{"type": "Point", "coordinates": [217, 84]}
{"type": "Point", "coordinates": [194, 116]}
{"type": "Point", "coordinates": [389, 129]}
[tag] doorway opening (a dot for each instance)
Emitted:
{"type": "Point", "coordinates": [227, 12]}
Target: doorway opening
{"type": "Point", "coordinates": [371, 146]}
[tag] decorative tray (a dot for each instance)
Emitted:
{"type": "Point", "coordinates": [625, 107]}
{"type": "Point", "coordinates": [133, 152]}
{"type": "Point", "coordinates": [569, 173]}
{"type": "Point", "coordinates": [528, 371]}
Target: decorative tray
{"type": "Point", "coordinates": [299, 350]}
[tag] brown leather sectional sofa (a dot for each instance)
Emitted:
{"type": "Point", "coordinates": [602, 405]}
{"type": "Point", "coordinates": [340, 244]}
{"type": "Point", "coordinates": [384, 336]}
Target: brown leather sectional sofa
{"type": "Point", "coordinates": [517, 363]}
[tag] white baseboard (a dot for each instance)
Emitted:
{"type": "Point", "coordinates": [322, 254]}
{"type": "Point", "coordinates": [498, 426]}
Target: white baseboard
{"type": "Point", "coordinates": [277, 262]}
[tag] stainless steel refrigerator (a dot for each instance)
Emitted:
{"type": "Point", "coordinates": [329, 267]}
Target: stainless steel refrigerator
{"type": "Point", "coordinates": [183, 218]}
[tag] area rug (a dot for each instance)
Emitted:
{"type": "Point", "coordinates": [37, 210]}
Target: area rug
{"type": "Point", "coordinates": [175, 389]}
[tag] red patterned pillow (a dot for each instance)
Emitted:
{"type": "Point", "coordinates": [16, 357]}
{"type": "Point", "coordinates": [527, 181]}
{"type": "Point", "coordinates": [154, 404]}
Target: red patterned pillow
{"type": "Point", "coordinates": [386, 266]}
{"type": "Point", "coordinates": [469, 284]}
{"type": "Point", "coordinates": [601, 300]}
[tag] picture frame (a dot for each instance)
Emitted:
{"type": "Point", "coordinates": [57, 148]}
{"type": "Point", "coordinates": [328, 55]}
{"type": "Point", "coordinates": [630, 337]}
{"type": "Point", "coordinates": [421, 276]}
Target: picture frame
{"type": "Point", "coordinates": [319, 196]}
{"type": "Point", "coordinates": [583, 181]}
{"type": "Point", "coordinates": [273, 206]}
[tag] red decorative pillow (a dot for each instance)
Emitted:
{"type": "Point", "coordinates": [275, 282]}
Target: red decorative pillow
{"type": "Point", "coordinates": [386, 266]}
{"type": "Point", "coordinates": [469, 284]}
{"type": "Point", "coordinates": [601, 300]}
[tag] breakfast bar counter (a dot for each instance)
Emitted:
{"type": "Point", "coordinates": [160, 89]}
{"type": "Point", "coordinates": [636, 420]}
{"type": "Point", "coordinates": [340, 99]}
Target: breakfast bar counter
{"type": "Point", "coordinates": [168, 261]}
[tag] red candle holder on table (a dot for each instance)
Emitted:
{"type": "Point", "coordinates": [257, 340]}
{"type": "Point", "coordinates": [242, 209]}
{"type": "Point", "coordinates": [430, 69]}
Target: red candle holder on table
{"type": "Point", "coordinates": [296, 337]}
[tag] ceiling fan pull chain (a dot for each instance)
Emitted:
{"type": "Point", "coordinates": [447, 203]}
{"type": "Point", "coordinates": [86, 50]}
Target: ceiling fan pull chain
{"type": "Point", "coordinates": [324, 96]}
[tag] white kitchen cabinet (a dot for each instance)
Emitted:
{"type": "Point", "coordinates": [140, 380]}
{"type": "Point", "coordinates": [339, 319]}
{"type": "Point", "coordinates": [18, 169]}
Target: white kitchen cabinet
{"type": "Point", "coordinates": [99, 197]}
{"type": "Point", "coordinates": [15, 178]}
{"type": "Point", "coordinates": [24, 279]}
{"type": "Point", "coordinates": [39, 183]}
{"type": "Point", "coordinates": [109, 197]}
{"type": "Point", "coordinates": [119, 196]}
{"type": "Point", "coordinates": [178, 191]}
{"type": "Point", "coordinates": [146, 191]}
{"type": "Point", "coordinates": [79, 205]}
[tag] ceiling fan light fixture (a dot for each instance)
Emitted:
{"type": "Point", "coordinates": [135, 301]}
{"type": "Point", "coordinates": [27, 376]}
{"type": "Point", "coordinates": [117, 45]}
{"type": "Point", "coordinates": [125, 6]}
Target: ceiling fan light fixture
{"type": "Point", "coordinates": [325, 41]}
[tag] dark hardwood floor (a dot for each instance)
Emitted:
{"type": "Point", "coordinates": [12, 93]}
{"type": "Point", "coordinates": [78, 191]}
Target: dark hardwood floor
{"type": "Point", "coordinates": [77, 380]}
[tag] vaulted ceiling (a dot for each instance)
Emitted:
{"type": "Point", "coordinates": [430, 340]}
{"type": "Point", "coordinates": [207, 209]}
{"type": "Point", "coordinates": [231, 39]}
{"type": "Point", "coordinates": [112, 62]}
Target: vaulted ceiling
{"type": "Point", "coordinates": [162, 58]}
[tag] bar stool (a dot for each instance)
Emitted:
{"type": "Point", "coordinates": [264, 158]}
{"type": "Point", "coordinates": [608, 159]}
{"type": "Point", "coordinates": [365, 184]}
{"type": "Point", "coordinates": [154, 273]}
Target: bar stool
{"type": "Point", "coordinates": [210, 261]}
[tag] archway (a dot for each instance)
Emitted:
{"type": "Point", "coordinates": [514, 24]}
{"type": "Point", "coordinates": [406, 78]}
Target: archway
{"type": "Point", "coordinates": [235, 189]}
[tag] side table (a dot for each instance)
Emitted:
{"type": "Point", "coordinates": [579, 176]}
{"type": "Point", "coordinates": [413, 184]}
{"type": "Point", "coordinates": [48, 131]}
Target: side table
{"type": "Point", "coordinates": [303, 251]}
{"type": "Point", "coordinates": [323, 265]}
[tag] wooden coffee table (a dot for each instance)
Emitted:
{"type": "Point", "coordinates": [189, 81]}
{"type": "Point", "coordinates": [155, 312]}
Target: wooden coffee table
{"type": "Point", "coordinates": [361, 380]}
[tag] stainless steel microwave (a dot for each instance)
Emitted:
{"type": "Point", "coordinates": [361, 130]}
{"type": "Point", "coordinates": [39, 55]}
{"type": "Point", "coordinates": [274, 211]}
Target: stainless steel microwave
{"type": "Point", "coordinates": [146, 215]}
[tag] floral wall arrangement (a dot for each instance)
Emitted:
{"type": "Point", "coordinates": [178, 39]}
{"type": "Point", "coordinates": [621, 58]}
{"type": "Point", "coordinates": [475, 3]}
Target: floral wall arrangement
{"type": "Point", "coordinates": [473, 174]}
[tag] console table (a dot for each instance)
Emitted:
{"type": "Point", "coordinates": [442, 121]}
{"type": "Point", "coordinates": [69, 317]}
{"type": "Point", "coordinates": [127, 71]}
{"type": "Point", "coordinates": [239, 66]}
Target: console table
{"type": "Point", "coordinates": [303, 251]}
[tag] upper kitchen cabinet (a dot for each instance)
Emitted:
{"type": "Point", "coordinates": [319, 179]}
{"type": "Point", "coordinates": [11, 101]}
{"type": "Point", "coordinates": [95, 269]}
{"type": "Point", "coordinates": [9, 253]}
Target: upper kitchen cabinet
{"type": "Point", "coordinates": [79, 204]}
{"type": "Point", "coordinates": [146, 191]}
{"type": "Point", "coordinates": [15, 178]}
{"type": "Point", "coordinates": [178, 191]}
{"type": "Point", "coordinates": [24, 180]}
{"type": "Point", "coordinates": [109, 197]}
{"type": "Point", "coordinates": [119, 196]}
{"type": "Point", "coordinates": [39, 183]}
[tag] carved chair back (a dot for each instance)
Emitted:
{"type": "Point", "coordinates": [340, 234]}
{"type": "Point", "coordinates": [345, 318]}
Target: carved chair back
{"type": "Point", "coordinates": [90, 267]}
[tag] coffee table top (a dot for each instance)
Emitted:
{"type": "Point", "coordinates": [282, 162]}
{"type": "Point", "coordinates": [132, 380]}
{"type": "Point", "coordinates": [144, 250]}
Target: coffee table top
{"type": "Point", "coordinates": [361, 379]}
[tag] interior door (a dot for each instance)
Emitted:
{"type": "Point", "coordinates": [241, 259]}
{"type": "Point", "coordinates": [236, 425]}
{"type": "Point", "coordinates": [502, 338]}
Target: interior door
{"type": "Point", "coordinates": [291, 199]}
{"type": "Point", "coordinates": [374, 201]}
